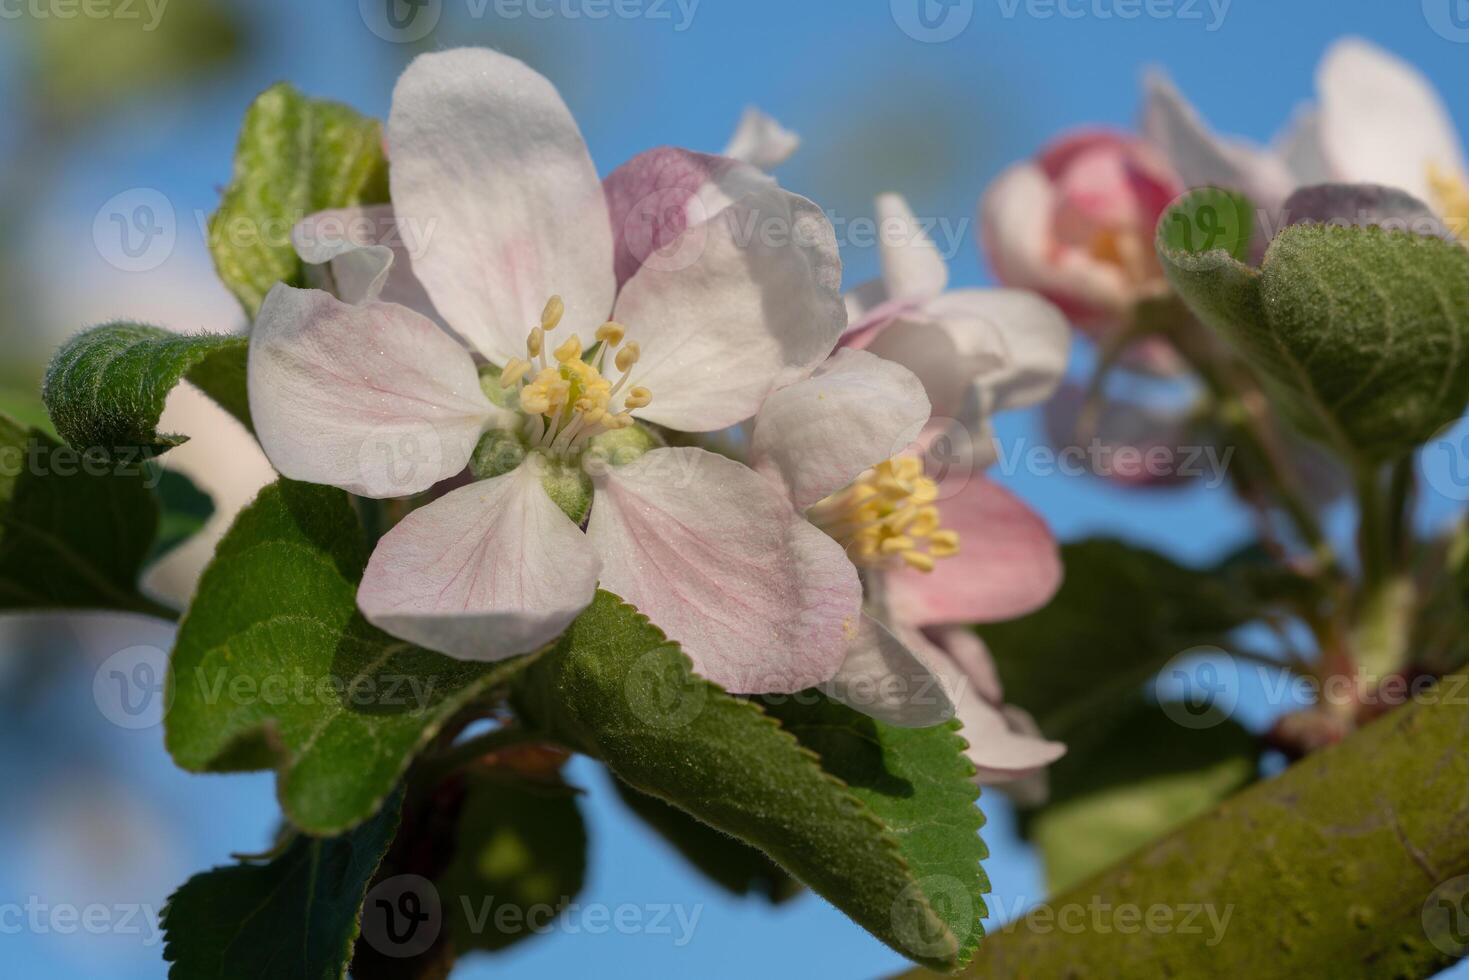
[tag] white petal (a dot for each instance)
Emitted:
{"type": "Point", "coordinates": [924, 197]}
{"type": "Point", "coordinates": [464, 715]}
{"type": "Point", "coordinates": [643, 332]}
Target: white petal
{"type": "Point", "coordinates": [761, 141]}
{"type": "Point", "coordinates": [368, 254]}
{"type": "Point", "coordinates": [1299, 147]}
{"type": "Point", "coordinates": [754, 305]}
{"type": "Point", "coordinates": [884, 679]}
{"type": "Point", "coordinates": [816, 436]}
{"type": "Point", "coordinates": [912, 267]}
{"type": "Point", "coordinates": [1002, 746]}
{"type": "Point", "coordinates": [1019, 341]}
{"type": "Point", "coordinates": [374, 398]}
{"type": "Point", "coordinates": [488, 571]}
{"type": "Point", "coordinates": [1382, 122]}
{"type": "Point", "coordinates": [1202, 158]}
{"type": "Point", "coordinates": [716, 557]}
{"type": "Point", "coordinates": [490, 165]}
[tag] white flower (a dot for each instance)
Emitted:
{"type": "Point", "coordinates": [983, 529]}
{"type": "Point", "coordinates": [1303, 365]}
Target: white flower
{"type": "Point", "coordinates": [706, 286]}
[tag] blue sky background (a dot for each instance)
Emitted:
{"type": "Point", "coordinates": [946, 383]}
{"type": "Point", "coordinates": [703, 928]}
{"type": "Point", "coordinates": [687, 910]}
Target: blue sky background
{"type": "Point", "coordinates": [96, 813]}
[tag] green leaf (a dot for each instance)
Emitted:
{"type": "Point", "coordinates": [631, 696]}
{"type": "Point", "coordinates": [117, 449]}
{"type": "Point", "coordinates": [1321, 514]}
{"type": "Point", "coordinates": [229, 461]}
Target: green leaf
{"type": "Point", "coordinates": [897, 848]}
{"type": "Point", "coordinates": [105, 389]}
{"type": "Point", "coordinates": [727, 861]}
{"type": "Point", "coordinates": [1361, 333]}
{"type": "Point", "coordinates": [1144, 777]}
{"type": "Point", "coordinates": [75, 530]}
{"type": "Point", "coordinates": [184, 510]}
{"type": "Point", "coordinates": [1120, 615]}
{"type": "Point", "coordinates": [294, 918]}
{"type": "Point", "coordinates": [296, 156]}
{"type": "Point", "coordinates": [274, 667]}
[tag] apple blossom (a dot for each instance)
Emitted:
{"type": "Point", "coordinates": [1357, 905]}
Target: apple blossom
{"type": "Point", "coordinates": [1076, 225]}
{"type": "Point", "coordinates": [690, 319]}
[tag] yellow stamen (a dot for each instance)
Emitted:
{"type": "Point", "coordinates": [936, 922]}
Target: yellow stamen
{"type": "Point", "coordinates": [536, 342]}
{"type": "Point", "coordinates": [514, 369]}
{"type": "Point", "coordinates": [888, 514]}
{"type": "Point", "coordinates": [551, 315]}
{"type": "Point", "coordinates": [570, 350]}
{"type": "Point", "coordinates": [1450, 193]}
{"type": "Point", "coordinates": [638, 397]}
{"type": "Point", "coordinates": [611, 333]}
{"type": "Point", "coordinates": [628, 356]}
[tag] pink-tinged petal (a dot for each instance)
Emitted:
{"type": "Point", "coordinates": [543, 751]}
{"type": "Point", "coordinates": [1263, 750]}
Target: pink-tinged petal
{"type": "Point", "coordinates": [489, 163]}
{"type": "Point", "coordinates": [1203, 159]}
{"type": "Point", "coordinates": [761, 141]}
{"type": "Point", "coordinates": [657, 196]}
{"type": "Point", "coordinates": [818, 435]}
{"type": "Point", "coordinates": [486, 572]}
{"type": "Point", "coordinates": [754, 304]}
{"type": "Point", "coordinates": [1382, 122]}
{"type": "Point", "coordinates": [912, 267]}
{"type": "Point", "coordinates": [1016, 214]}
{"type": "Point", "coordinates": [885, 679]}
{"type": "Point", "coordinates": [372, 398]}
{"type": "Point", "coordinates": [1008, 563]}
{"type": "Point", "coordinates": [1004, 743]}
{"type": "Point", "coordinates": [1299, 147]}
{"type": "Point", "coordinates": [367, 253]}
{"type": "Point", "coordinates": [717, 558]}
{"type": "Point", "coordinates": [968, 652]}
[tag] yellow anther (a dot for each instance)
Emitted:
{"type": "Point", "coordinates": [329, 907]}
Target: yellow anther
{"type": "Point", "coordinates": [638, 397]}
{"type": "Point", "coordinates": [628, 356]}
{"type": "Point", "coordinates": [611, 333]}
{"type": "Point", "coordinates": [570, 350]}
{"type": "Point", "coordinates": [889, 514]}
{"type": "Point", "coordinates": [551, 315]}
{"type": "Point", "coordinates": [514, 369]}
{"type": "Point", "coordinates": [919, 560]}
{"type": "Point", "coordinates": [536, 342]}
{"type": "Point", "coordinates": [1450, 193]}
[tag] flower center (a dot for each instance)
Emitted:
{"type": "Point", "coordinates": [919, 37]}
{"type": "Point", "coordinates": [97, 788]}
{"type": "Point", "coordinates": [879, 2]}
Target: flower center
{"type": "Point", "coordinates": [1450, 199]}
{"type": "Point", "coordinates": [567, 398]}
{"type": "Point", "coordinates": [887, 514]}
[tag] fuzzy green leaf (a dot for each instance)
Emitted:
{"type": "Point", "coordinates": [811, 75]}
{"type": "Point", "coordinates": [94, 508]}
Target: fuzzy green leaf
{"type": "Point", "coordinates": [105, 389]}
{"type": "Point", "coordinates": [1362, 334]}
{"type": "Point", "coordinates": [1120, 615]}
{"type": "Point", "coordinates": [1144, 777]}
{"type": "Point", "coordinates": [883, 825]}
{"type": "Point", "coordinates": [296, 156]}
{"type": "Point", "coordinates": [75, 530]}
{"type": "Point", "coordinates": [293, 918]}
{"type": "Point", "coordinates": [274, 666]}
